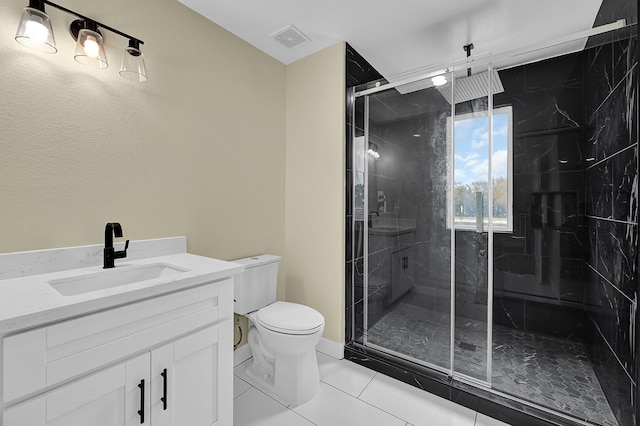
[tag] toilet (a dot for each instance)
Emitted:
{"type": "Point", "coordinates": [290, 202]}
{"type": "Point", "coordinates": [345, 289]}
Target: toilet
{"type": "Point", "coordinates": [282, 335]}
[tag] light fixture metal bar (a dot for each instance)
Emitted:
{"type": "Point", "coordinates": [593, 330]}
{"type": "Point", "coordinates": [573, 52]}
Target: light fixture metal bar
{"type": "Point", "coordinates": [99, 24]}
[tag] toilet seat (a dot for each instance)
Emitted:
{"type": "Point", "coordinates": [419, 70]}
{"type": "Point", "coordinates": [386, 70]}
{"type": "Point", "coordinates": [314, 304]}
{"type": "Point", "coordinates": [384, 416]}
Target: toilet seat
{"type": "Point", "coordinates": [290, 318]}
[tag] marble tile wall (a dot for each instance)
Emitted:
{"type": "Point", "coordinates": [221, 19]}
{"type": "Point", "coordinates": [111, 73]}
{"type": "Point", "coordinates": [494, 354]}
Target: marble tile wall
{"type": "Point", "coordinates": [539, 267]}
{"type": "Point", "coordinates": [611, 215]}
{"type": "Point", "coordinates": [358, 71]}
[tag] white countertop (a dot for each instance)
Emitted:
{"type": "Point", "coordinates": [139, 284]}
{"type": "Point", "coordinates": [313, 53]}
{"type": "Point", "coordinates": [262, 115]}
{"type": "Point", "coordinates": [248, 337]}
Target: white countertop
{"type": "Point", "coordinates": [29, 301]}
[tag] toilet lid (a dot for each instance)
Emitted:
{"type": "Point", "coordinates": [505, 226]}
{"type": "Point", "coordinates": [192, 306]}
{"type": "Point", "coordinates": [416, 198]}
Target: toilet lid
{"type": "Point", "coordinates": [290, 318]}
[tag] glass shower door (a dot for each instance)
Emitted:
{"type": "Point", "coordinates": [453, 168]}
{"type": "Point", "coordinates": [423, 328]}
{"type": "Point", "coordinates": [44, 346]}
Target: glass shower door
{"type": "Point", "coordinates": [422, 168]}
{"type": "Point", "coordinates": [471, 220]}
{"type": "Point", "coordinates": [407, 239]}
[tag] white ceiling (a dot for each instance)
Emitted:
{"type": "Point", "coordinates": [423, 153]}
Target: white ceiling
{"type": "Point", "coordinates": [404, 35]}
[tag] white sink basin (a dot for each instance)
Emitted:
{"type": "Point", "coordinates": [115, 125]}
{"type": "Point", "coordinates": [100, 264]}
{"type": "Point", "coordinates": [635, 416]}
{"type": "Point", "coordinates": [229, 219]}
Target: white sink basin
{"type": "Point", "coordinates": [115, 277]}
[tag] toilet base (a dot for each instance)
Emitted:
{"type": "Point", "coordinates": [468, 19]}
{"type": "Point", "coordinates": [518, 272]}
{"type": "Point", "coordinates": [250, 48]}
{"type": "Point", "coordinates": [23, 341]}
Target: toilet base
{"type": "Point", "coordinates": [293, 378]}
{"type": "Point", "coordinates": [293, 388]}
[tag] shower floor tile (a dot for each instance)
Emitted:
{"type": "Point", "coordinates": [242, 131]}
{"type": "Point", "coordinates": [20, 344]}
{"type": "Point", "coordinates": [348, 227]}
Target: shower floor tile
{"type": "Point", "coordinates": [552, 372]}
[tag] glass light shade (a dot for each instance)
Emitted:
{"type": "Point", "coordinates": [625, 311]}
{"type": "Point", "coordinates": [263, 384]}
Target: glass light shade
{"type": "Point", "coordinates": [133, 67]}
{"type": "Point", "coordinates": [35, 31]}
{"type": "Point", "coordinates": [90, 49]}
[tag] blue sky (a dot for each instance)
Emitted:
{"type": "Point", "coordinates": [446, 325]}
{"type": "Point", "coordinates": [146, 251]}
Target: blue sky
{"type": "Point", "coordinates": [472, 148]}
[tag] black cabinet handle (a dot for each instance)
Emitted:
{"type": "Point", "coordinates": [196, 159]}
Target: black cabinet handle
{"type": "Point", "coordinates": [141, 410]}
{"type": "Point", "coordinates": [164, 389]}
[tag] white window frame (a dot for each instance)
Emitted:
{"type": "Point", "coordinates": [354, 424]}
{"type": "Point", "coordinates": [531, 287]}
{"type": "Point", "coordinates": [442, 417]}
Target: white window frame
{"type": "Point", "coordinates": [497, 228]}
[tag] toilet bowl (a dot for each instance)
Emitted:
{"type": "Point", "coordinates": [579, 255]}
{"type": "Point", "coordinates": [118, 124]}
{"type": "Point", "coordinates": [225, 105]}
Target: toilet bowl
{"type": "Point", "coordinates": [282, 335]}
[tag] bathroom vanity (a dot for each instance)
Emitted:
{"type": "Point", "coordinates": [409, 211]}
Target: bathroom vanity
{"type": "Point", "coordinates": [148, 342]}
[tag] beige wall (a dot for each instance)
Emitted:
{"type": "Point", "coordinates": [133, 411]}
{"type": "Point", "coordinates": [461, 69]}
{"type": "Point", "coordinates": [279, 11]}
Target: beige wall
{"type": "Point", "coordinates": [198, 150]}
{"type": "Point", "coordinates": [315, 185]}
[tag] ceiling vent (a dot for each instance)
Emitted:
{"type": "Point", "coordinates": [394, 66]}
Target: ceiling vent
{"type": "Point", "coordinates": [290, 37]}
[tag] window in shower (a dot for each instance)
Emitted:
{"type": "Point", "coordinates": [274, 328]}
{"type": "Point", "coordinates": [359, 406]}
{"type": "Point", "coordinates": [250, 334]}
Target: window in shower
{"type": "Point", "coordinates": [471, 170]}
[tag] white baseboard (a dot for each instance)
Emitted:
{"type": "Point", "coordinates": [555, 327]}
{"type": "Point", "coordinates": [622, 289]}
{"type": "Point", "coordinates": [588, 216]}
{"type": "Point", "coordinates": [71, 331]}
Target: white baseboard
{"type": "Point", "coordinates": [241, 354]}
{"type": "Point", "coordinates": [326, 346]}
{"type": "Point", "coordinates": [331, 348]}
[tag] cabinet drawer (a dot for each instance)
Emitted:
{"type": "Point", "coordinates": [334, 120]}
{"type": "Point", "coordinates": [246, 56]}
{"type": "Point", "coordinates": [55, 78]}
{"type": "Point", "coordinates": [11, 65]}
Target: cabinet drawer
{"type": "Point", "coordinates": [49, 355]}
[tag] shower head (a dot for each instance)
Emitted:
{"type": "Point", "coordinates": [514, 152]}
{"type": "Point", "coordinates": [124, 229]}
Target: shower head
{"type": "Point", "coordinates": [472, 87]}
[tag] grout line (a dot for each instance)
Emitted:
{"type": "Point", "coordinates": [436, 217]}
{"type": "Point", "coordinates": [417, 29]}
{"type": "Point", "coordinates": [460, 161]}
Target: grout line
{"type": "Point", "coordinates": [301, 416]}
{"type": "Point", "coordinates": [245, 391]}
{"type": "Point", "coordinates": [590, 166]}
{"type": "Point", "coordinates": [366, 386]}
{"type": "Point", "coordinates": [609, 282]}
{"type": "Point", "coordinates": [366, 402]}
{"type": "Point", "coordinates": [613, 352]}
{"type": "Point", "coordinates": [622, 80]}
{"type": "Point", "coordinates": [608, 219]}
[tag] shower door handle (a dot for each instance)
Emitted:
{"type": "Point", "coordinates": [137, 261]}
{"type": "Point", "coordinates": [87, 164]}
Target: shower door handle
{"type": "Point", "coordinates": [479, 212]}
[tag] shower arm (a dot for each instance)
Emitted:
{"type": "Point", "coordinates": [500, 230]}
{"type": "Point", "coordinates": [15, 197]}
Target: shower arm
{"type": "Point", "coordinates": [467, 48]}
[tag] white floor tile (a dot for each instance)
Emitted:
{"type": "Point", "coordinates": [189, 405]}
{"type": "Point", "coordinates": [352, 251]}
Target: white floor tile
{"type": "Point", "coordinates": [254, 408]}
{"type": "Point", "coordinates": [344, 375]}
{"type": "Point", "coordinates": [241, 372]}
{"type": "Point", "coordinates": [483, 420]}
{"type": "Point", "coordinates": [332, 407]}
{"type": "Point", "coordinates": [239, 386]}
{"type": "Point", "coordinates": [417, 407]}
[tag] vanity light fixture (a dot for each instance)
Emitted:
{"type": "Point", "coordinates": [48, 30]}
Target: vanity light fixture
{"type": "Point", "coordinates": [89, 44]}
{"type": "Point", "coordinates": [133, 67]}
{"type": "Point", "coordinates": [35, 32]}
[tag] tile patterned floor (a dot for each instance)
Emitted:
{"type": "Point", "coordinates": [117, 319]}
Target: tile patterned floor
{"type": "Point", "coordinates": [350, 395]}
{"type": "Point", "coordinates": [551, 372]}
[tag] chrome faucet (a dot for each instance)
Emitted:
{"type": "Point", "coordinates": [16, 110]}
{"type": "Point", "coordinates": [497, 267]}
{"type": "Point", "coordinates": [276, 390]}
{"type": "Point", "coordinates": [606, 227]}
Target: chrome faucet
{"type": "Point", "coordinates": [110, 255]}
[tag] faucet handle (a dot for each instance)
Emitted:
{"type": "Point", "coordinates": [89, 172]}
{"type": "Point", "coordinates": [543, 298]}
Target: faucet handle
{"type": "Point", "coordinates": [122, 253]}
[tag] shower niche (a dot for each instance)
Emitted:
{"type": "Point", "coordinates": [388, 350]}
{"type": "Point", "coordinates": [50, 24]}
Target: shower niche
{"type": "Point", "coordinates": [555, 210]}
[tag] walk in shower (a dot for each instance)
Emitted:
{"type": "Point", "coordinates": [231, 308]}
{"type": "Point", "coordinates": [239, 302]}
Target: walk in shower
{"type": "Point", "coordinates": [492, 228]}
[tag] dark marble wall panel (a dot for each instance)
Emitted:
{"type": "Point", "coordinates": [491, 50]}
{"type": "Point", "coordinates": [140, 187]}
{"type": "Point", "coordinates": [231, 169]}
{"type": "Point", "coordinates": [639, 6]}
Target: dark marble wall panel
{"type": "Point", "coordinates": [612, 312]}
{"type": "Point", "coordinates": [616, 254]}
{"type": "Point", "coordinates": [543, 258]}
{"type": "Point", "coordinates": [600, 80]}
{"type": "Point", "coordinates": [614, 380]}
{"type": "Point", "coordinates": [359, 71]}
{"type": "Point", "coordinates": [612, 127]}
{"type": "Point", "coordinates": [599, 190]}
{"type": "Point", "coordinates": [555, 320]}
{"type": "Point", "coordinates": [611, 209]}
{"type": "Point", "coordinates": [625, 185]}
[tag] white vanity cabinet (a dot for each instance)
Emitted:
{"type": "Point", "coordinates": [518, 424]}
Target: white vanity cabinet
{"type": "Point", "coordinates": [162, 361]}
{"type": "Point", "coordinates": [110, 397]}
{"type": "Point", "coordinates": [184, 381]}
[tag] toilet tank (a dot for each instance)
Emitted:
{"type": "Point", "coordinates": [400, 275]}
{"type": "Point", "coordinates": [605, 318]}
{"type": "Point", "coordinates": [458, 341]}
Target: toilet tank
{"type": "Point", "coordinates": [256, 286]}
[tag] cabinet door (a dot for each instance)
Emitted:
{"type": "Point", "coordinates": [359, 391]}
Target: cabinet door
{"type": "Point", "coordinates": [185, 376]}
{"type": "Point", "coordinates": [111, 397]}
{"type": "Point", "coordinates": [401, 274]}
